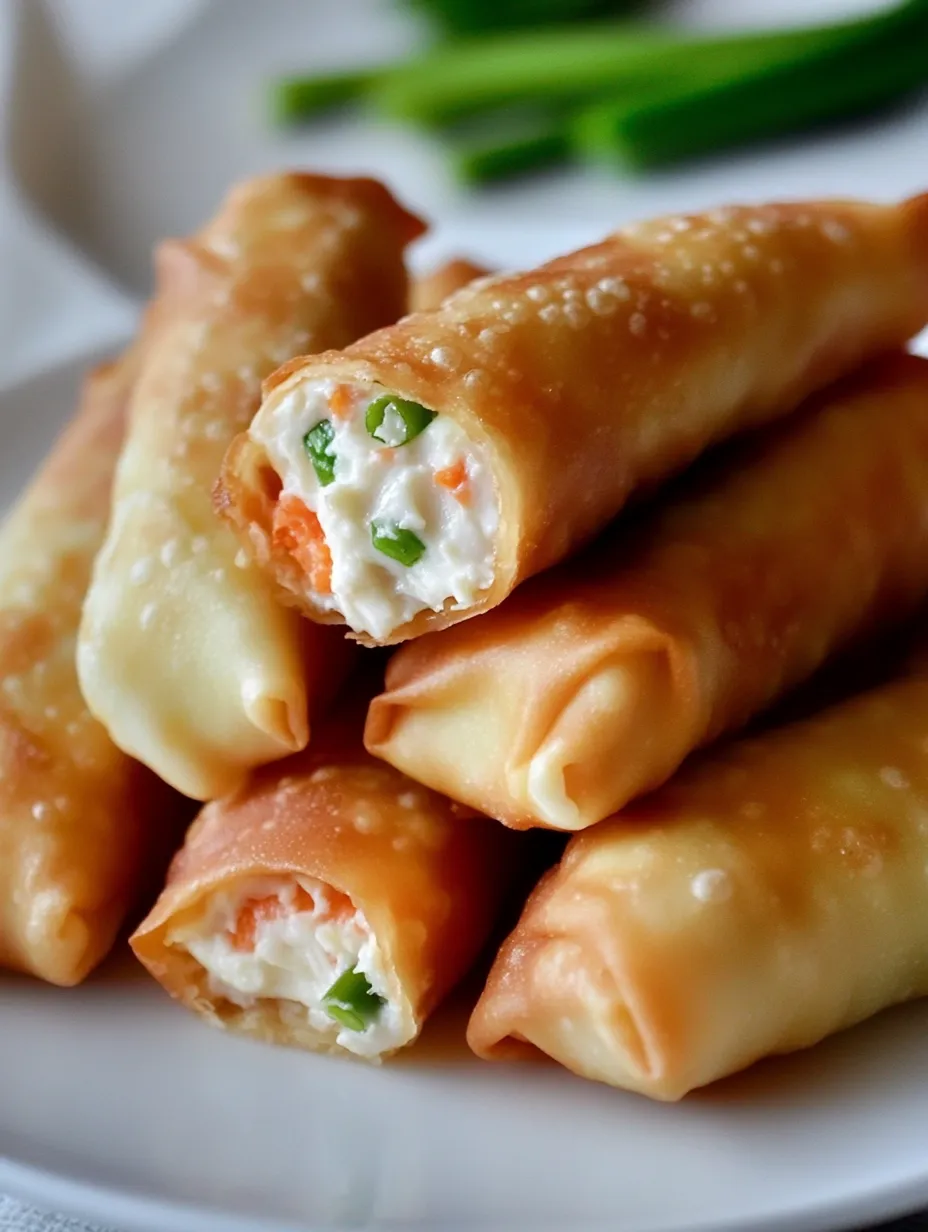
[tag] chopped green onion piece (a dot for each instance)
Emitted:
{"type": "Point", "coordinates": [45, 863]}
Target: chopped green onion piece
{"type": "Point", "coordinates": [500, 149]}
{"type": "Point", "coordinates": [294, 100]}
{"type": "Point", "coordinates": [318, 443]}
{"type": "Point", "coordinates": [859, 69]}
{"type": "Point", "coordinates": [564, 67]}
{"type": "Point", "coordinates": [396, 542]}
{"type": "Point", "coordinates": [352, 1002]}
{"type": "Point", "coordinates": [415, 418]}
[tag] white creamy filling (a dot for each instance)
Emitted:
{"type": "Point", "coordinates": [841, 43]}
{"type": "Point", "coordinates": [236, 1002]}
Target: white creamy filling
{"type": "Point", "coordinates": [296, 958]}
{"type": "Point", "coordinates": [392, 486]}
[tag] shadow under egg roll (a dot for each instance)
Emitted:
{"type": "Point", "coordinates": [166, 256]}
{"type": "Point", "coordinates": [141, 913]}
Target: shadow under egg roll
{"type": "Point", "coordinates": [768, 896]}
{"type": "Point", "coordinates": [80, 822]}
{"type": "Point", "coordinates": [432, 289]}
{"type": "Point", "coordinates": [447, 458]}
{"type": "Point", "coordinates": [594, 681]}
{"type": "Point", "coordinates": [329, 904]}
{"type": "Point", "coordinates": [185, 655]}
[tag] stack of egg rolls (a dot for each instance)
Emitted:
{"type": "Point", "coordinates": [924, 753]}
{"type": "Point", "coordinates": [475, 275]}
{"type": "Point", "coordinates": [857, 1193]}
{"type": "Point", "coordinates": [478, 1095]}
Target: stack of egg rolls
{"type": "Point", "coordinates": [446, 458]}
{"type": "Point", "coordinates": [184, 654]}
{"type": "Point", "coordinates": [329, 903]}
{"type": "Point", "coordinates": [83, 828]}
{"type": "Point", "coordinates": [594, 681]}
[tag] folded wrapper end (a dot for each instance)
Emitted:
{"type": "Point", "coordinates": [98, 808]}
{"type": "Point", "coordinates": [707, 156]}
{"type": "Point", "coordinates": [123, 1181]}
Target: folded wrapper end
{"type": "Point", "coordinates": [562, 757]}
{"type": "Point", "coordinates": [573, 994]}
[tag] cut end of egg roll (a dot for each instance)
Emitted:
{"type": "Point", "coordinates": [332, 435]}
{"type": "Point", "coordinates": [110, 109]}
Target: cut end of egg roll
{"type": "Point", "coordinates": [413, 479]}
{"type": "Point", "coordinates": [185, 654]}
{"type": "Point", "coordinates": [329, 904]}
{"type": "Point", "coordinates": [769, 895]}
{"type": "Point", "coordinates": [81, 824]}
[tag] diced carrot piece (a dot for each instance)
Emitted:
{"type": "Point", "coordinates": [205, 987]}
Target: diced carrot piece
{"type": "Point", "coordinates": [297, 530]}
{"type": "Point", "coordinates": [340, 400]}
{"type": "Point", "coordinates": [302, 899]}
{"type": "Point", "coordinates": [252, 913]}
{"type": "Point", "coordinates": [456, 480]}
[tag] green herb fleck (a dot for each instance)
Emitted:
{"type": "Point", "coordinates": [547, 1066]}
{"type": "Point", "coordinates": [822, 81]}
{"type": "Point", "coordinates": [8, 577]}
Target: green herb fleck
{"type": "Point", "coordinates": [415, 418]}
{"type": "Point", "coordinates": [352, 1002]}
{"type": "Point", "coordinates": [396, 542]}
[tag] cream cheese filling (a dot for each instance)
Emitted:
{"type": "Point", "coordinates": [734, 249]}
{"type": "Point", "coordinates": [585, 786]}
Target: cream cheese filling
{"type": "Point", "coordinates": [388, 484]}
{"type": "Point", "coordinates": [296, 957]}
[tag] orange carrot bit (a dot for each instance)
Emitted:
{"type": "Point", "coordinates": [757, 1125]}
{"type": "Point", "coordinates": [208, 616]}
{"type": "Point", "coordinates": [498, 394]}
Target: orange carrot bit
{"type": "Point", "coordinates": [456, 480]}
{"type": "Point", "coordinates": [252, 913]}
{"type": "Point", "coordinates": [302, 899]}
{"type": "Point", "coordinates": [297, 530]}
{"type": "Point", "coordinates": [340, 401]}
{"type": "Point", "coordinates": [340, 906]}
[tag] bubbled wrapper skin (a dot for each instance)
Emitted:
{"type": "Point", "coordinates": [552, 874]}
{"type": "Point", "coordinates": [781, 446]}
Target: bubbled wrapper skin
{"type": "Point", "coordinates": [602, 372]}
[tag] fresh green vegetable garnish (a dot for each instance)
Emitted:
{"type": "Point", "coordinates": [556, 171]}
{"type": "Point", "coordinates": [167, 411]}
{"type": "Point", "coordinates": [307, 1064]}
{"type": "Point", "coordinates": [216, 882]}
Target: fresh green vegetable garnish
{"type": "Point", "coordinates": [497, 150]}
{"type": "Point", "coordinates": [294, 99]}
{"type": "Point", "coordinates": [352, 1002]}
{"type": "Point", "coordinates": [860, 68]}
{"type": "Point", "coordinates": [396, 542]}
{"type": "Point", "coordinates": [414, 417]}
{"type": "Point", "coordinates": [628, 91]}
{"type": "Point", "coordinates": [318, 443]}
{"type": "Point", "coordinates": [469, 17]}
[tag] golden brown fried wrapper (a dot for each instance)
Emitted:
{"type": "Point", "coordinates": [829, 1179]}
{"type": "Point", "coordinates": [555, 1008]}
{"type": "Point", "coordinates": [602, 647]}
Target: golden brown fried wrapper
{"type": "Point", "coordinates": [432, 289]}
{"type": "Point", "coordinates": [602, 372]}
{"type": "Point", "coordinates": [768, 896]}
{"type": "Point", "coordinates": [79, 821]}
{"type": "Point", "coordinates": [184, 654]}
{"type": "Point", "coordinates": [427, 876]}
{"type": "Point", "coordinates": [595, 680]}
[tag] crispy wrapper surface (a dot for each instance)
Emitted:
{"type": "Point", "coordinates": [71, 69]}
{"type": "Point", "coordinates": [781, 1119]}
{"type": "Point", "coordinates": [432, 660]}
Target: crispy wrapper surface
{"type": "Point", "coordinates": [595, 680]}
{"type": "Point", "coordinates": [78, 819]}
{"type": "Point", "coordinates": [184, 654]}
{"type": "Point", "coordinates": [604, 371]}
{"type": "Point", "coordinates": [431, 290]}
{"type": "Point", "coordinates": [766, 897]}
{"type": "Point", "coordinates": [428, 875]}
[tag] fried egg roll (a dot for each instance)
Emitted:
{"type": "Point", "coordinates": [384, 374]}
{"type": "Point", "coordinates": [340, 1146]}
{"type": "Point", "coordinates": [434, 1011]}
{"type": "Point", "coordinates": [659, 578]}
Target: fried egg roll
{"type": "Point", "coordinates": [432, 289]}
{"type": "Point", "coordinates": [329, 904]}
{"type": "Point", "coordinates": [448, 457]}
{"type": "Point", "coordinates": [594, 681]}
{"type": "Point", "coordinates": [765, 898]}
{"type": "Point", "coordinates": [78, 818]}
{"type": "Point", "coordinates": [185, 655]}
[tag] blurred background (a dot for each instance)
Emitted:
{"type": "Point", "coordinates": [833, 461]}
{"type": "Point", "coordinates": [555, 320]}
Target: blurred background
{"type": "Point", "coordinates": [501, 119]}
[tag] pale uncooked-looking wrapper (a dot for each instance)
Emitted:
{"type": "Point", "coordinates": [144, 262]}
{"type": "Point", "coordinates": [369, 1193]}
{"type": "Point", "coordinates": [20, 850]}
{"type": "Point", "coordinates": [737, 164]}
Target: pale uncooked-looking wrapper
{"type": "Point", "coordinates": [595, 680]}
{"type": "Point", "coordinates": [184, 654]}
{"type": "Point", "coordinates": [600, 373]}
